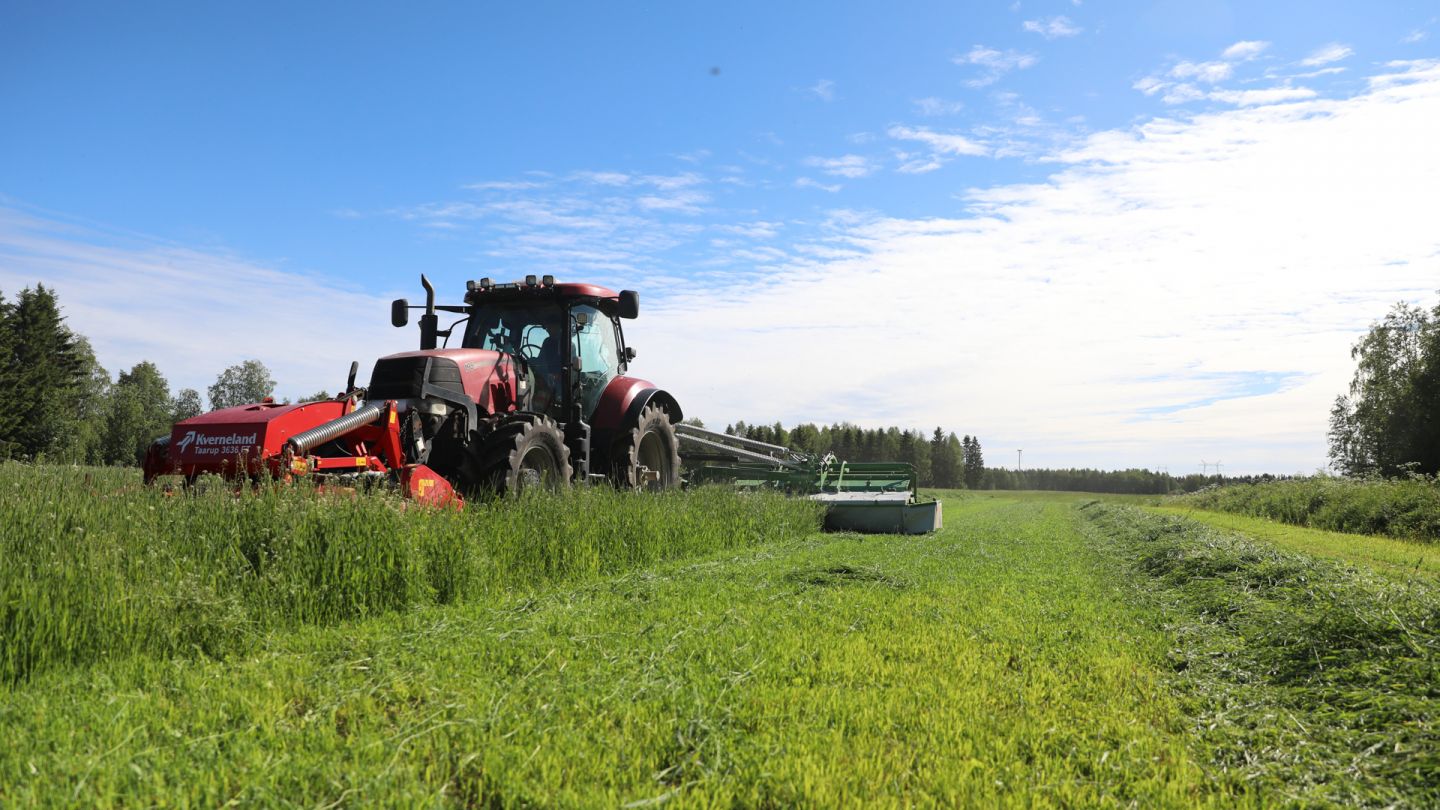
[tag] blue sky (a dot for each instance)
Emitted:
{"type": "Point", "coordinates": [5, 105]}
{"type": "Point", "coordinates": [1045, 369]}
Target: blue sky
{"type": "Point", "coordinates": [1113, 233]}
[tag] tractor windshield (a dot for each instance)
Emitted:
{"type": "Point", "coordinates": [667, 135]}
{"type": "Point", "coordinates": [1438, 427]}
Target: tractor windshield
{"type": "Point", "coordinates": [531, 331]}
{"type": "Point", "coordinates": [522, 329]}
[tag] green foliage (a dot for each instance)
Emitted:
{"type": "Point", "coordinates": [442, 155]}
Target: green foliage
{"type": "Point", "coordinates": [945, 462]}
{"type": "Point", "coordinates": [1120, 482]}
{"type": "Point", "coordinates": [1315, 680]}
{"type": "Point", "coordinates": [1387, 424]}
{"type": "Point", "coordinates": [1392, 557]}
{"type": "Point", "coordinates": [96, 567]}
{"type": "Point", "coordinates": [85, 434]}
{"type": "Point", "coordinates": [972, 462]}
{"type": "Point", "coordinates": [185, 405]}
{"type": "Point", "coordinates": [140, 410]}
{"type": "Point", "coordinates": [1407, 508]}
{"type": "Point", "coordinates": [46, 368]}
{"type": "Point", "coordinates": [241, 384]}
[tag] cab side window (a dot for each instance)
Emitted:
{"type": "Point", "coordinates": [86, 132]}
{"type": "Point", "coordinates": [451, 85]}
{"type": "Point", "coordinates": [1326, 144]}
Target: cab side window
{"type": "Point", "coordinates": [598, 352]}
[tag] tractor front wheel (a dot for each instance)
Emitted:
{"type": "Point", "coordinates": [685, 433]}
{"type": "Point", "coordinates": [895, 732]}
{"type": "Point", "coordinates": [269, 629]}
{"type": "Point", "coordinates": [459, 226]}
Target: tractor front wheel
{"type": "Point", "coordinates": [647, 457]}
{"type": "Point", "coordinates": [526, 455]}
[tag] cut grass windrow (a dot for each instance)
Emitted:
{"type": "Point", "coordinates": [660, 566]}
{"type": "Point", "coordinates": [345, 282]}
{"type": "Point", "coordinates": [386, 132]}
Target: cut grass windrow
{"type": "Point", "coordinates": [1315, 681]}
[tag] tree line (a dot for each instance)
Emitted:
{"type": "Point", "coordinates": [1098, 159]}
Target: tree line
{"type": "Point", "coordinates": [1388, 422]}
{"type": "Point", "coordinates": [942, 460]}
{"type": "Point", "coordinates": [58, 403]}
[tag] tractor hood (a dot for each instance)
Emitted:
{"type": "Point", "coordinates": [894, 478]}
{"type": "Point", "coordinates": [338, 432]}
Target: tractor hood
{"type": "Point", "coordinates": [485, 376]}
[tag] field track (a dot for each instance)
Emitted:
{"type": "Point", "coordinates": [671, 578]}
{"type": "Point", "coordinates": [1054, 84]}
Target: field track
{"type": "Point", "coordinates": [1034, 653]}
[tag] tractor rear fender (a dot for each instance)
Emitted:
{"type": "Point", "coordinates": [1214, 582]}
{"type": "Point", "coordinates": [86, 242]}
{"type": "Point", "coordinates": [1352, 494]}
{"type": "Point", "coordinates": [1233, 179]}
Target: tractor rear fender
{"type": "Point", "coordinates": [620, 407]}
{"type": "Point", "coordinates": [623, 400]}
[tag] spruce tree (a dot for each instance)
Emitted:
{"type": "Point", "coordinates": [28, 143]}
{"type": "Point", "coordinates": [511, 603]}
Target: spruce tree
{"type": "Point", "coordinates": [44, 374]}
{"type": "Point", "coordinates": [974, 462]}
{"type": "Point", "coordinates": [942, 462]}
{"type": "Point", "coordinates": [9, 413]}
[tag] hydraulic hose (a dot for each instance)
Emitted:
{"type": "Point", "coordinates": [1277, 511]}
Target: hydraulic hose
{"type": "Point", "coordinates": [318, 435]}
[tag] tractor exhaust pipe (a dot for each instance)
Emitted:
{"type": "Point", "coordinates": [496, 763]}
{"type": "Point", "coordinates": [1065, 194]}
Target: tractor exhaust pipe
{"type": "Point", "coordinates": [429, 322]}
{"type": "Point", "coordinates": [302, 442]}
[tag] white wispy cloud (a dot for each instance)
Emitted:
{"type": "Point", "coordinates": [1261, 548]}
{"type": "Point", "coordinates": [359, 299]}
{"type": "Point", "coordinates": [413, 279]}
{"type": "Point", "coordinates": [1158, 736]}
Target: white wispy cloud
{"type": "Point", "coordinates": [593, 221]}
{"type": "Point", "coordinates": [1333, 52]}
{"type": "Point", "coordinates": [995, 62]}
{"type": "Point", "coordinates": [941, 143]}
{"type": "Point", "coordinates": [810, 182]}
{"type": "Point", "coordinates": [1418, 35]}
{"type": "Point", "coordinates": [912, 163]}
{"type": "Point", "coordinates": [1052, 27]}
{"type": "Point", "coordinates": [932, 106]}
{"type": "Point", "coordinates": [604, 178]}
{"type": "Point", "coordinates": [504, 185]}
{"type": "Point", "coordinates": [1245, 50]}
{"type": "Point", "coordinates": [1269, 95]}
{"type": "Point", "coordinates": [852, 166]}
{"type": "Point", "coordinates": [1182, 94]}
{"type": "Point", "coordinates": [1186, 288]}
{"type": "Point", "coordinates": [1150, 85]}
{"type": "Point", "coordinates": [688, 202]}
{"type": "Point", "coordinates": [824, 90]}
{"type": "Point", "coordinates": [1209, 72]}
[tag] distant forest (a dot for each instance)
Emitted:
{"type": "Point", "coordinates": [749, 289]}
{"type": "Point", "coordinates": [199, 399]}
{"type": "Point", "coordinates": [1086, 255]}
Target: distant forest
{"type": "Point", "coordinates": [946, 461]}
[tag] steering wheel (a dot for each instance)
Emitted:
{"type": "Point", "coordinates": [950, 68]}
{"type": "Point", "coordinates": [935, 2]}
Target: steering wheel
{"type": "Point", "coordinates": [527, 345]}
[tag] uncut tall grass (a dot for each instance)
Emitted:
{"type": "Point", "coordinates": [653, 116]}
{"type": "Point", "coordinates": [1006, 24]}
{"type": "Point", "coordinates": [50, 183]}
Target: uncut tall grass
{"type": "Point", "coordinates": [94, 565]}
{"type": "Point", "coordinates": [1405, 508]}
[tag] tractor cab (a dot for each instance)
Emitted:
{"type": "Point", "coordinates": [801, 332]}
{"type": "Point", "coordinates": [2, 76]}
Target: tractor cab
{"type": "Point", "coordinates": [567, 336]}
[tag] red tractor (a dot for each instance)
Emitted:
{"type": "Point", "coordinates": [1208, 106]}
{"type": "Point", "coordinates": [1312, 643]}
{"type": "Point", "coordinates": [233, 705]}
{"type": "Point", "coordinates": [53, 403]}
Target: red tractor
{"type": "Point", "coordinates": [536, 394]}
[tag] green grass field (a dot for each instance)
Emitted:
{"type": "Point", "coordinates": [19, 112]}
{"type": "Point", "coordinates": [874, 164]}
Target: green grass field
{"type": "Point", "coordinates": [1406, 508]}
{"type": "Point", "coordinates": [1397, 558]}
{"type": "Point", "coordinates": [1039, 651]}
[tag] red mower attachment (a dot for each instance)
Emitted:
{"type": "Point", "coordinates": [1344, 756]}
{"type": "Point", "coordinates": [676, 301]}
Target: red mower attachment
{"type": "Point", "coordinates": [332, 441]}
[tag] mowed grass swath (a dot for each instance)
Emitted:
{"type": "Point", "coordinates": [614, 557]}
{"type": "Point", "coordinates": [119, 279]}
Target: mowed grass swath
{"type": "Point", "coordinates": [97, 566]}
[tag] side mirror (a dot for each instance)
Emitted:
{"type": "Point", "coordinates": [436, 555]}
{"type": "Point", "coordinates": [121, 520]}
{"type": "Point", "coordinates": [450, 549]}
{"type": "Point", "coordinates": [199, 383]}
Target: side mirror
{"type": "Point", "coordinates": [399, 312]}
{"type": "Point", "coordinates": [629, 304]}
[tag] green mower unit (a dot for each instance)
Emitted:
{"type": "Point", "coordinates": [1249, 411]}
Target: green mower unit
{"type": "Point", "coordinates": [874, 497]}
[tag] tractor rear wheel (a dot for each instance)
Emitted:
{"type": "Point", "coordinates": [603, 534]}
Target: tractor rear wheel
{"type": "Point", "coordinates": [647, 457]}
{"type": "Point", "coordinates": [525, 455]}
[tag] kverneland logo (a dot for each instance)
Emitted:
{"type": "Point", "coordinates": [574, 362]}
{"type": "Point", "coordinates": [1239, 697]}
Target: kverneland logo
{"type": "Point", "coordinates": [215, 444]}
